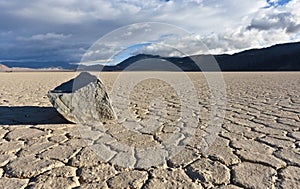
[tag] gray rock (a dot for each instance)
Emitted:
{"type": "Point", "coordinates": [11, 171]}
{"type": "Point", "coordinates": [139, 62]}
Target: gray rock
{"type": "Point", "coordinates": [290, 177]}
{"type": "Point", "coordinates": [261, 158]}
{"type": "Point", "coordinates": [61, 177]}
{"type": "Point", "coordinates": [99, 173]}
{"type": "Point", "coordinates": [26, 134]}
{"type": "Point", "coordinates": [170, 178]}
{"type": "Point", "coordinates": [82, 100]}
{"type": "Point", "coordinates": [208, 171]}
{"type": "Point", "coordinates": [62, 153]}
{"type": "Point", "coordinates": [289, 154]}
{"type": "Point", "coordinates": [30, 166]}
{"type": "Point", "coordinates": [5, 158]}
{"type": "Point", "coordinates": [10, 147]}
{"type": "Point", "coordinates": [13, 183]}
{"type": "Point", "coordinates": [131, 179]}
{"type": "Point", "coordinates": [252, 175]}
{"type": "Point", "coordinates": [221, 151]}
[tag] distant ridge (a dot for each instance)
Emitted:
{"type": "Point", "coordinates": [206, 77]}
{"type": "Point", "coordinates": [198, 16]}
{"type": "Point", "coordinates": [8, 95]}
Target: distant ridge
{"type": "Point", "coordinates": [4, 68]}
{"type": "Point", "coordinates": [281, 57]}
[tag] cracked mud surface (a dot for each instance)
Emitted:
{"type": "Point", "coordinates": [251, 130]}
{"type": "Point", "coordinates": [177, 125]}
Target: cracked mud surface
{"type": "Point", "coordinates": [258, 145]}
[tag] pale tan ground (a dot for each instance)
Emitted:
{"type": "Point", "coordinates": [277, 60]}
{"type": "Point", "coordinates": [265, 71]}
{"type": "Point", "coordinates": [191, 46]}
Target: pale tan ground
{"type": "Point", "coordinates": [258, 145]}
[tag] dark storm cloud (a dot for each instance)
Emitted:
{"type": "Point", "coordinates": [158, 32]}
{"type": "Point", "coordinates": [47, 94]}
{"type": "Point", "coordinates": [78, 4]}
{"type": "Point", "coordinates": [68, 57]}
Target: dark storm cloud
{"type": "Point", "coordinates": [61, 30]}
{"type": "Point", "coordinates": [284, 21]}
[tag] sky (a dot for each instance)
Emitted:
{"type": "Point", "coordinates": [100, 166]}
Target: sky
{"type": "Point", "coordinates": [43, 32]}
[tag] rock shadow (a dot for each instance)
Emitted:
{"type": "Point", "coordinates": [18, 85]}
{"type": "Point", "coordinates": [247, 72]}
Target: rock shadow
{"type": "Point", "coordinates": [30, 115]}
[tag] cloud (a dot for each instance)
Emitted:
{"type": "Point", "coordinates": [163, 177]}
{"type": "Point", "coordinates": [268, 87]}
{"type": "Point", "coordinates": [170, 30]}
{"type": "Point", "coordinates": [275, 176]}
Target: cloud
{"type": "Point", "coordinates": [286, 21]}
{"type": "Point", "coordinates": [44, 37]}
{"type": "Point", "coordinates": [63, 30]}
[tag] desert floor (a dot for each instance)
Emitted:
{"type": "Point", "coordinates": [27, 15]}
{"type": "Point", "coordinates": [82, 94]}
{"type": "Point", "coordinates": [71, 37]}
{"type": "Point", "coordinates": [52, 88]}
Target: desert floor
{"type": "Point", "coordinates": [256, 146]}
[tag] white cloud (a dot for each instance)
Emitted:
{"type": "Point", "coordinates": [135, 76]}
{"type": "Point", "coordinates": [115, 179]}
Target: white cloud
{"type": "Point", "coordinates": [44, 37]}
{"type": "Point", "coordinates": [223, 26]}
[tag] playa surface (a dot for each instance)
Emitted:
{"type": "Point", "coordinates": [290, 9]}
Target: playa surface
{"type": "Point", "coordinates": [257, 146]}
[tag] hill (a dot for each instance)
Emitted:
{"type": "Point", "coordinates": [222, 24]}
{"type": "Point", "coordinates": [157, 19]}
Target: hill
{"type": "Point", "coordinates": [282, 57]}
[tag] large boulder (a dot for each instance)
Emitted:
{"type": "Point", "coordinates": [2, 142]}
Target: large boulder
{"type": "Point", "coordinates": [82, 100]}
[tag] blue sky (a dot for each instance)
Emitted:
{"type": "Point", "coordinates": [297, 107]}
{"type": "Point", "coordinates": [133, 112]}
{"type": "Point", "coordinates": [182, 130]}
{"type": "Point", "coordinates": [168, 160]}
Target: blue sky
{"type": "Point", "coordinates": [50, 33]}
{"type": "Point", "coordinates": [277, 3]}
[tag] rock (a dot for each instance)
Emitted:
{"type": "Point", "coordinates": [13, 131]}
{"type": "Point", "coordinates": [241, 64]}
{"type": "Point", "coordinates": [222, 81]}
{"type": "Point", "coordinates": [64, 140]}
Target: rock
{"type": "Point", "coordinates": [35, 147]}
{"type": "Point", "coordinates": [252, 175]}
{"type": "Point", "coordinates": [13, 183]}
{"type": "Point", "coordinates": [99, 173]}
{"type": "Point", "coordinates": [62, 153]}
{"type": "Point", "coordinates": [93, 185]}
{"type": "Point", "coordinates": [277, 143]}
{"type": "Point", "coordinates": [185, 157]}
{"type": "Point", "coordinates": [289, 154]}
{"type": "Point", "coordinates": [5, 158]}
{"type": "Point", "coordinates": [230, 186]}
{"type": "Point", "coordinates": [170, 178]}
{"type": "Point", "coordinates": [10, 147]}
{"type": "Point", "coordinates": [131, 179]}
{"type": "Point", "coordinates": [261, 158]}
{"type": "Point", "coordinates": [2, 132]}
{"type": "Point", "coordinates": [251, 146]}
{"type": "Point", "coordinates": [61, 177]}
{"type": "Point", "coordinates": [82, 100]}
{"type": "Point", "coordinates": [30, 166]}
{"type": "Point", "coordinates": [290, 177]}
{"type": "Point", "coordinates": [208, 171]}
{"type": "Point", "coordinates": [221, 151]}
{"type": "Point", "coordinates": [296, 135]}
{"type": "Point", "coordinates": [86, 157]}
{"type": "Point", "coordinates": [25, 134]}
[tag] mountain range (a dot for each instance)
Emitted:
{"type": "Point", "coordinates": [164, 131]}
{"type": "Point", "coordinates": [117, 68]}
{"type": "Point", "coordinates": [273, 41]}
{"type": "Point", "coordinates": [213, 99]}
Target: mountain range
{"type": "Point", "coordinates": [281, 57]}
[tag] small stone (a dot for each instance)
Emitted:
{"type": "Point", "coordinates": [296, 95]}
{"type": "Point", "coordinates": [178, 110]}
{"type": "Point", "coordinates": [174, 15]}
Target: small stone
{"type": "Point", "coordinates": [251, 146]}
{"type": "Point", "coordinates": [221, 151]}
{"type": "Point", "coordinates": [93, 185]}
{"type": "Point", "coordinates": [86, 157]}
{"type": "Point", "coordinates": [30, 166]}
{"type": "Point", "coordinates": [261, 158]}
{"type": "Point", "coordinates": [171, 178]}
{"type": "Point", "coordinates": [10, 147]}
{"type": "Point", "coordinates": [104, 151]}
{"type": "Point", "coordinates": [3, 132]}
{"type": "Point", "coordinates": [183, 158]}
{"type": "Point", "coordinates": [98, 173]}
{"type": "Point", "coordinates": [209, 171]}
{"type": "Point", "coordinates": [1, 172]}
{"type": "Point", "coordinates": [296, 135]}
{"type": "Point", "coordinates": [289, 154]}
{"type": "Point", "coordinates": [25, 134]}
{"type": "Point", "coordinates": [5, 158]}
{"type": "Point", "coordinates": [58, 138]}
{"type": "Point", "coordinates": [252, 175]}
{"type": "Point", "coordinates": [61, 177]}
{"type": "Point", "coordinates": [130, 179]}
{"type": "Point", "coordinates": [35, 147]}
{"type": "Point", "coordinates": [278, 143]}
{"type": "Point", "coordinates": [13, 183]}
{"type": "Point", "coordinates": [124, 158]}
{"type": "Point", "coordinates": [149, 157]}
{"type": "Point", "coordinates": [82, 100]}
{"type": "Point", "coordinates": [62, 153]}
{"type": "Point", "coordinates": [271, 131]}
{"type": "Point", "coordinates": [290, 177]}
{"type": "Point", "coordinates": [230, 186]}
